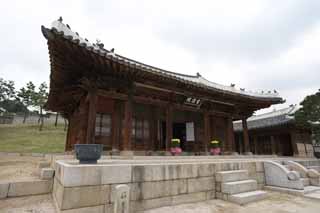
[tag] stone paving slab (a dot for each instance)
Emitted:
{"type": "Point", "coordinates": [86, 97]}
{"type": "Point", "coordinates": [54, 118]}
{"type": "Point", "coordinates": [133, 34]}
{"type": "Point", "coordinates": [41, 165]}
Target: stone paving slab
{"type": "Point", "coordinates": [275, 203]}
{"type": "Point", "coordinates": [313, 195]}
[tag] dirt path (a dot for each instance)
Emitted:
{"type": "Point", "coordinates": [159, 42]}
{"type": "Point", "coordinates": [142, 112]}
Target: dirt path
{"type": "Point", "coordinates": [29, 204]}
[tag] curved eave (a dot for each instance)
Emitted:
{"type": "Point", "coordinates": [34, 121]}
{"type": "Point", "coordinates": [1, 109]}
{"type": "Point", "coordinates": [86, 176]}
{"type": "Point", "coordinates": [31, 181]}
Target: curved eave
{"type": "Point", "coordinates": [51, 34]}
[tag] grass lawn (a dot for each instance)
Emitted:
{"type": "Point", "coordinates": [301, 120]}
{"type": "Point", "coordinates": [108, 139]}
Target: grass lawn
{"type": "Point", "coordinates": [28, 138]}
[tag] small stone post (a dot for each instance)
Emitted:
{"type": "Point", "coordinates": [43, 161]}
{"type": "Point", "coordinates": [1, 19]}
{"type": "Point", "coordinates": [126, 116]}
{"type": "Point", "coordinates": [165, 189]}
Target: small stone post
{"type": "Point", "coordinates": [122, 198]}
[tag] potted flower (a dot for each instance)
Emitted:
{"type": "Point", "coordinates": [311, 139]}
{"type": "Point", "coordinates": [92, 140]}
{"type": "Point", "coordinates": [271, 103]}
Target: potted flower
{"type": "Point", "coordinates": [175, 146]}
{"type": "Point", "coordinates": [214, 146]}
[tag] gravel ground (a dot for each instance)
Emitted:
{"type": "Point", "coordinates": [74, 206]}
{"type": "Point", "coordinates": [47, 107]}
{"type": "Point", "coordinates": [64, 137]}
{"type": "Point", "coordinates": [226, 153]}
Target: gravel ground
{"type": "Point", "coordinates": [28, 204]}
{"type": "Point", "coordinates": [276, 203]}
{"type": "Point", "coordinates": [18, 168]}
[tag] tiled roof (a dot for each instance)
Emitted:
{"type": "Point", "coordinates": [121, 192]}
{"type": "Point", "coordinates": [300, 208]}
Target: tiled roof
{"type": "Point", "coordinates": [62, 29]}
{"type": "Point", "coordinates": [270, 119]}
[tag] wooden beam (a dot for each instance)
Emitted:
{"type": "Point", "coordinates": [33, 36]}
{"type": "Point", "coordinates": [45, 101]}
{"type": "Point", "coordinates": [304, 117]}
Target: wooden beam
{"type": "Point", "coordinates": [92, 97]}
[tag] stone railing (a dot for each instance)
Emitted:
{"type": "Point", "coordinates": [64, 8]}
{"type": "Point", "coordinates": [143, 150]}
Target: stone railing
{"type": "Point", "coordinates": [278, 175]}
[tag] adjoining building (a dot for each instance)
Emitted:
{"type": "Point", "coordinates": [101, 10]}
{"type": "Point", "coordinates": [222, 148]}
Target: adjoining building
{"type": "Point", "coordinates": [275, 133]}
{"type": "Point", "coordinates": [130, 106]}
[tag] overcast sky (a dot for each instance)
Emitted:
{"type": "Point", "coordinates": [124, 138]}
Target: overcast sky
{"type": "Point", "coordinates": [257, 44]}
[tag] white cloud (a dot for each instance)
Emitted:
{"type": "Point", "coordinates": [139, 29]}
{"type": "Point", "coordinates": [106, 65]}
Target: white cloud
{"type": "Point", "coordinates": [259, 45]}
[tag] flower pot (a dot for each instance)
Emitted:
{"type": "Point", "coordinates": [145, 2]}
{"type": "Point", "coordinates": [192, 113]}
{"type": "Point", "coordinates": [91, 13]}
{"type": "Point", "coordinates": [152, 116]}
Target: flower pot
{"type": "Point", "coordinates": [88, 153]}
{"type": "Point", "coordinates": [175, 150]}
{"type": "Point", "coordinates": [316, 148]}
{"type": "Point", "coordinates": [215, 151]}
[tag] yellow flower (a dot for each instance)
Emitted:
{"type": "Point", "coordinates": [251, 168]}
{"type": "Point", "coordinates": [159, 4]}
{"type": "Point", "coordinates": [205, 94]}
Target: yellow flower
{"type": "Point", "coordinates": [177, 140]}
{"type": "Point", "coordinates": [214, 142]}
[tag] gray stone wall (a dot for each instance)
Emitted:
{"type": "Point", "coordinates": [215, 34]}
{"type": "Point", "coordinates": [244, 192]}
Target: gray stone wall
{"type": "Point", "coordinates": [92, 187]}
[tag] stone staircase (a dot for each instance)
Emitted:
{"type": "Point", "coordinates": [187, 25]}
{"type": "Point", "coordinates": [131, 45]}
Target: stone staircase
{"type": "Point", "coordinates": [236, 187]}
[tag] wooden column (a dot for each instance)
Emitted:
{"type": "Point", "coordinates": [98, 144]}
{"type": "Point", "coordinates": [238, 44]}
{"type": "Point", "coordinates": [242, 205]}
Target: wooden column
{"type": "Point", "coordinates": [273, 145]}
{"type": "Point", "coordinates": [245, 136]}
{"type": "Point", "coordinates": [153, 129]}
{"type": "Point", "coordinates": [168, 127]}
{"type": "Point", "coordinates": [230, 136]}
{"type": "Point", "coordinates": [206, 128]}
{"type": "Point", "coordinates": [116, 126]}
{"type": "Point", "coordinates": [255, 141]}
{"type": "Point", "coordinates": [293, 143]}
{"type": "Point", "coordinates": [92, 112]}
{"type": "Point", "coordinates": [127, 125]}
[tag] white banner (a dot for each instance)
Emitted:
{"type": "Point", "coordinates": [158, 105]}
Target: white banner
{"type": "Point", "coordinates": [190, 131]}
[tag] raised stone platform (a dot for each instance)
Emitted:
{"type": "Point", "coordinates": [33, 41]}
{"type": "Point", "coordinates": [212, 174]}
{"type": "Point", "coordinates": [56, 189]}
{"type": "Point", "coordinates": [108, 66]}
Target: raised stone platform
{"type": "Point", "coordinates": [154, 181]}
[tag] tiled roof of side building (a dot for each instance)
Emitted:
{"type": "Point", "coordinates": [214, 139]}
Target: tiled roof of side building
{"type": "Point", "coordinates": [65, 30]}
{"type": "Point", "coordinates": [270, 119]}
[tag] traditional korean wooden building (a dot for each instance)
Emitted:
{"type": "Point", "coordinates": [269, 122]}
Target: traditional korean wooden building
{"type": "Point", "coordinates": [275, 133]}
{"type": "Point", "coordinates": [130, 106]}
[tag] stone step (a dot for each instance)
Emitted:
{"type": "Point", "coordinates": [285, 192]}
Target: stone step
{"type": "Point", "coordinates": [231, 176]}
{"type": "Point", "coordinates": [237, 187]}
{"type": "Point", "coordinates": [311, 189]}
{"type": "Point", "coordinates": [248, 197]}
{"type": "Point", "coordinates": [305, 181]}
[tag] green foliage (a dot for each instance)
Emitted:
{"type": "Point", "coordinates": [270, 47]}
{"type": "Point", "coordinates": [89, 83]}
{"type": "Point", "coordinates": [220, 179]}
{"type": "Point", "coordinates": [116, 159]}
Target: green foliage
{"type": "Point", "coordinates": [13, 106]}
{"type": "Point", "coordinates": [7, 90]}
{"type": "Point", "coordinates": [40, 97]}
{"type": "Point", "coordinates": [308, 116]}
{"type": "Point", "coordinates": [214, 144]}
{"type": "Point", "coordinates": [175, 142]}
{"type": "Point", "coordinates": [27, 94]}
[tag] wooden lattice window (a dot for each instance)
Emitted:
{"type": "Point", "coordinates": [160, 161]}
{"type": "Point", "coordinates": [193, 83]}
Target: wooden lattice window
{"type": "Point", "coordinates": [140, 129]}
{"type": "Point", "coordinates": [103, 125]}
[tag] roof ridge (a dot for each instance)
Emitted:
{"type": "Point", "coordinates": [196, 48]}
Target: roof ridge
{"type": "Point", "coordinates": [66, 31]}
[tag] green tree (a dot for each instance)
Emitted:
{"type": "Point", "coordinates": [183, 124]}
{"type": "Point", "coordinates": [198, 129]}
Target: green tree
{"type": "Point", "coordinates": [309, 114]}
{"type": "Point", "coordinates": [39, 100]}
{"type": "Point", "coordinates": [7, 90]}
{"type": "Point", "coordinates": [26, 96]}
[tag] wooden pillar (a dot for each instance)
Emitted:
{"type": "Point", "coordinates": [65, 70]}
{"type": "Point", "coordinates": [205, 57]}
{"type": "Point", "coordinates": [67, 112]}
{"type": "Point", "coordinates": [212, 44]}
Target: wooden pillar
{"type": "Point", "coordinates": [255, 141]}
{"type": "Point", "coordinates": [273, 145]}
{"type": "Point", "coordinates": [230, 136]}
{"type": "Point", "coordinates": [153, 129]}
{"type": "Point", "coordinates": [116, 126]}
{"type": "Point", "coordinates": [293, 143]}
{"type": "Point", "coordinates": [206, 128]}
{"type": "Point", "coordinates": [168, 127]}
{"type": "Point", "coordinates": [127, 146]}
{"type": "Point", "coordinates": [245, 136]}
{"type": "Point", "coordinates": [92, 112]}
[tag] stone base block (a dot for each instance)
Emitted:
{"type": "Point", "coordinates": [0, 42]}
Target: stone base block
{"type": "Point", "coordinates": [30, 188]}
{"type": "Point", "coordinates": [247, 197]}
{"type": "Point", "coordinates": [80, 197]}
{"type": "Point", "coordinates": [229, 176]}
{"type": "Point", "coordinates": [4, 188]}
{"type": "Point", "coordinates": [239, 186]}
{"type": "Point", "coordinates": [46, 174]}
